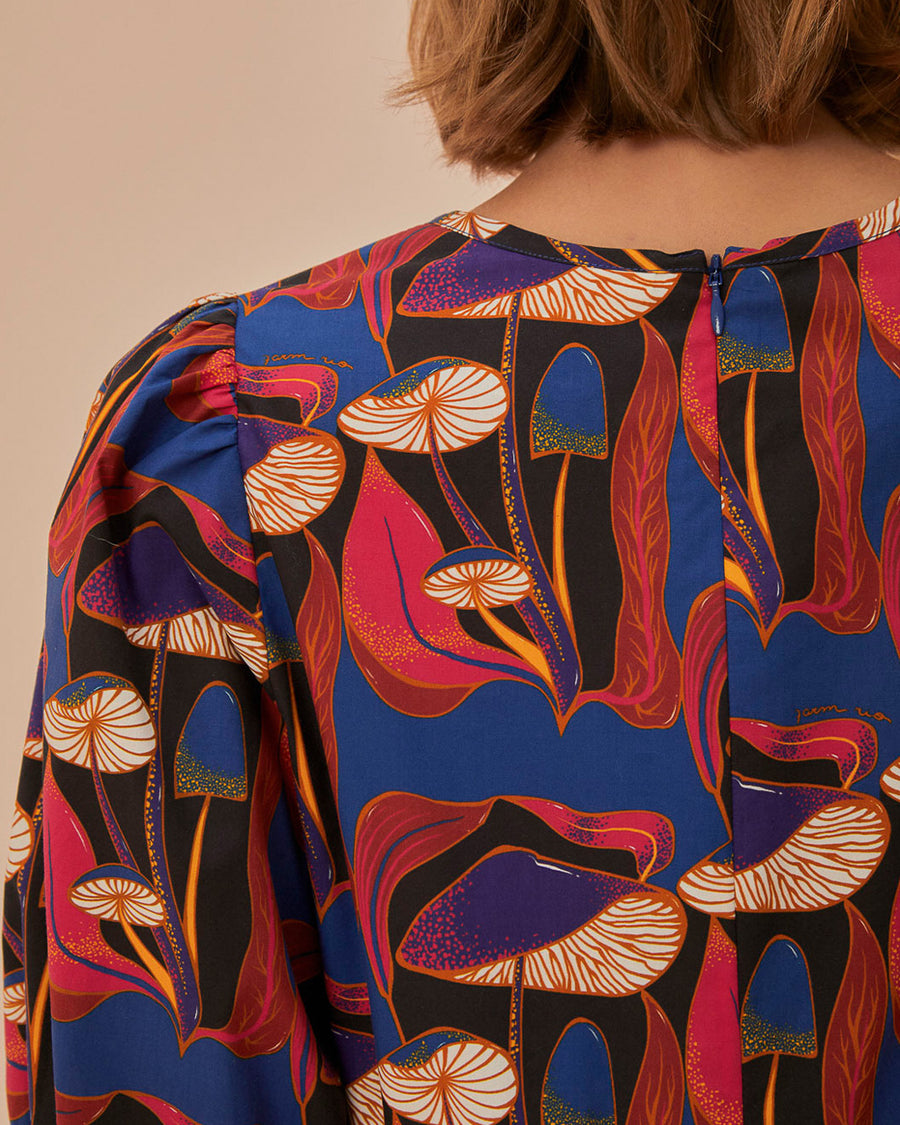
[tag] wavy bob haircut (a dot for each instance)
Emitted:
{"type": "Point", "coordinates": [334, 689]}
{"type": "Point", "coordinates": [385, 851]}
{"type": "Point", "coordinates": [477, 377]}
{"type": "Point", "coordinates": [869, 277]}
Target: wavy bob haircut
{"type": "Point", "coordinates": [501, 75]}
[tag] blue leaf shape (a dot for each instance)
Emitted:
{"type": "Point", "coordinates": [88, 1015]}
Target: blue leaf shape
{"type": "Point", "coordinates": [569, 411]}
{"type": "Point", "coordinates": [578, 1087]}
{"type": "Point", "coordinates": [777, 1014]}
{"type": "Point", "coordinates": [210, 756]}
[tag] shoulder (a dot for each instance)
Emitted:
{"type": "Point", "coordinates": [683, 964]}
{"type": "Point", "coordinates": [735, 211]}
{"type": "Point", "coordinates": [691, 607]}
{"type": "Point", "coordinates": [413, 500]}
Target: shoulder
{"type": "Point", "coordinates": [334, 283]}
{"type": "Point", "coordinates": [352, 287]}
{"type": "Point", "coordinates": [165, 400]}
{"type": "Point", "coordinates": [348, 279]}
{"type": "Point", "coordinates": [328, 322]}
{"type": "Point", "coordinates": [287, 354]}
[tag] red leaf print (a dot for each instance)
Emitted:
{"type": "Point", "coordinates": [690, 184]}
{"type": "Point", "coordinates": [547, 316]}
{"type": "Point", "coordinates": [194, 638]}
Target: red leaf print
{"type": "Point", "coordinates": [648, 835]}
{"type": "Point", "coordinates": [78, 982]}
{"type": "Point", "coordinates": [396, 832]}
{"type": "Point", "coordinates": [845, 597]}
{"type": "Point", "coordinates": [851, 743]}
{"type": "Point", "coordinates": [879, 287]}
{"type": "Point", "coordinates": [80, 1110]}
{"type": "Point", "coordinates": [319, 635]}
{"type": "Point", "coordinates": [855, 1029]}
{"type": "Point", "coordinates": [332, 284]}
{"type": "Point", "coordinates": [161, 1108]}
{"type": "Point", "coordinates": [384, 257]}
{"type": "Point", "coordinates": [705, 656]}
{"type": "Point", "coordinates": [201, 390]}
{"type": "Point", "coordinates": [658, 1097]}
{"type": "Point", "coordinates": [265, 1003]}
{"type": "Point", "coordinates": [17, 1083]}
{"type": "Point", "coordinates": [890, 565]}
{"type": "Point", "coordinates": [894, 961]}
{"type": "Point", "coordinates": [646, 686]}
{"type": "Point", "coordinates": [698, 394]}
{"type": "Point", "coordinates": [713, 1045]}
{"type": "Point", "coordinates": [312, 386]}
{"type": "Point", "coordinates": [410, 647]}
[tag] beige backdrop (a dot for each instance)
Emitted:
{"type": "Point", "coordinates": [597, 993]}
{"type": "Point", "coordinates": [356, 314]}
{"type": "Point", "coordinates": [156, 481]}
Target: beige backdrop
{"type": "Point", "coordinates": [154, 153]}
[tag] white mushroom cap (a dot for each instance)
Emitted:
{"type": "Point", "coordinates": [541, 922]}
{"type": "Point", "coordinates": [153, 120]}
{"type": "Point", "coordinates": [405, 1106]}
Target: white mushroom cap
{"type": "Point", "coordinates": [294, 483]}
{"type": "Point", "coordinates": [477, 575]}
{"type": "Point", "coordinates": [462, 401]}
{"type": "Point", "coordinates": [461, 1083]}
{"type": "Point", "coordinates": [112, 721]}
{"type": "Point", "coordinates": [14, 1000]}
{"type": "Point", "coordinates": [21, 840]}
{"type": "Point", "coordinates": [106, 893]}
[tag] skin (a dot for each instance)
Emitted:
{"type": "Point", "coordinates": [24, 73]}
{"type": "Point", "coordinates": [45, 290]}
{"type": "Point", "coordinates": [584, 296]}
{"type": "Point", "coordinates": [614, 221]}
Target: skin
{"type": "Point", "coordinates": [610, 195]}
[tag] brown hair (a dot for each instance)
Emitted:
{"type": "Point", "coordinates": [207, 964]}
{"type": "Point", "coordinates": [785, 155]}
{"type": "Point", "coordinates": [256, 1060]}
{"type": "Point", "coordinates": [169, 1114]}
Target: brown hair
{"type": "Point", "coordinates": [502, 75]}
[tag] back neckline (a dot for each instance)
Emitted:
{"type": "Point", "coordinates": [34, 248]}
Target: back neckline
{"type": "Point", "coordinates": [874, 224]}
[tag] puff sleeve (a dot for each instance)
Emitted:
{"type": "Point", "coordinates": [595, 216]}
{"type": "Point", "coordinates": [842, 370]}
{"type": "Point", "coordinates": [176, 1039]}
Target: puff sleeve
{"type": "Point", "coordinates": [160, 946]}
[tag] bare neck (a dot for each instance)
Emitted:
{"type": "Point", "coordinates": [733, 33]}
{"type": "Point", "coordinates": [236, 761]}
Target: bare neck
{"type": "Point", "coordinates": [675, 193]}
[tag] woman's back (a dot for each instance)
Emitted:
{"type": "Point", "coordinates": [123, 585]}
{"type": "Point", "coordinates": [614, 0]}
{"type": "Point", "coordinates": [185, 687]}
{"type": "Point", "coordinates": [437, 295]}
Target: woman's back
{"type": "Point", "coordinates": [522, 619]}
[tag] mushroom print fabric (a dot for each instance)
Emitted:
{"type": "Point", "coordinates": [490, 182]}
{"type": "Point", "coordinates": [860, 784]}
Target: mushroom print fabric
{"type": "Point", "coordinates": [470, 694]}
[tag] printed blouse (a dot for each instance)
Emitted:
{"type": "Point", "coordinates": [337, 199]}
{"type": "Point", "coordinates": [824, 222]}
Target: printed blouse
{"type": "Point", "coordinates": [470, 693]}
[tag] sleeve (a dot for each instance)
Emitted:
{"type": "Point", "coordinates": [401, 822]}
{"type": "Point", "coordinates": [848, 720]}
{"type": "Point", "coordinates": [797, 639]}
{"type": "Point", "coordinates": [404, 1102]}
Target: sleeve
{"type": "Point", "coordinates": [161, 953]}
